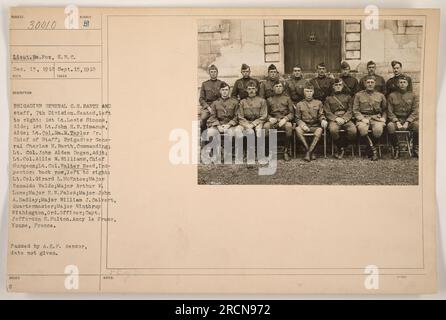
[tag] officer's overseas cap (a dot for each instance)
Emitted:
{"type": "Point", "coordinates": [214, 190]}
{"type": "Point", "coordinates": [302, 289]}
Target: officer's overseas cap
{"type": "Point", "coordinates": [272, 67]}
{"type": "Point", "coordinates": [345, 65]}
{"type": "Point", "coordinates": [338, 81]}
{"type": "Point", "coordinates": [395, 62]}
{"type": "Point", "coordinates": [212, 67]}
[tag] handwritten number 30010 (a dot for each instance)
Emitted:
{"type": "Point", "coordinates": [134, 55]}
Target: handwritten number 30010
{"type": "Point", "coordinates": [42, 25]}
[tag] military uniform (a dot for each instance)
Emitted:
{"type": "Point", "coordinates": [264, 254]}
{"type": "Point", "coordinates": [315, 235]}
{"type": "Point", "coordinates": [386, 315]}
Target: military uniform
{"type": "Point", "coordinates": [392, 84]}
{"type": "Point", "coordinates": [403, 107]}
{"type": "Point", "coordinates": [209, 92]}
{"type": "Point", "coordinates": [322, 87]}
{"type": "Point", "coordinates": [252, 111]}
{"type": "Point", "coordinates": [371, 106]}
{"type": "Point", "coordinates": [279, 107]}
{"type": "Point", "coordinates": [295, 87]}
{"type": "Point", "coordinates": [339, 105]}
{"type": "Point", "coordinates": [310, 114]}
{"type": "Point", "coordinates": [267, 87]}
{"type": "Point", "coordinates": [239, 90]}
{"type": "Point", "coordinates": [380, 83]}
{"type": "Point", "coordinates": [351, 85]}
{"type": "Point", "coordinates": [224, 111]}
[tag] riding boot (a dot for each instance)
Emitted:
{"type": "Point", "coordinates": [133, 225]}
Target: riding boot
{"type": "Point", "coordinates": [312, 147]}
{"type": "Point", "coordinates": [395, 144]}
{"type": "Point", "coordinates": [372, 144]}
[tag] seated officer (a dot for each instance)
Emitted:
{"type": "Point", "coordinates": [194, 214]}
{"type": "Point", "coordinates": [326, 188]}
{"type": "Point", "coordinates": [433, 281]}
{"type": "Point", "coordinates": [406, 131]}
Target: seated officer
{"type": "Point", "coordinates": [252, 112]}
{"type": "Point", "coordinates": [224, 113]}
{"type": "Point", "coordinates": [310, 118]}
{"type": "Point", "coordinates": [280, 115]}
{"type": "Point", "coordinates": [402, 108]}
{"type": "Point", "coordinates": [369, 110]}
{"type": "Point", "coordinates": [209, 92]}
{"type": "Point", "coordinates": [240, 85]}
{"type": "Point", "coordinates": [338, 110]}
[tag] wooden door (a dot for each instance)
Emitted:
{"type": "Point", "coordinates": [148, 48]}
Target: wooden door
{"type": "Point", "coordinates": [309, 42]}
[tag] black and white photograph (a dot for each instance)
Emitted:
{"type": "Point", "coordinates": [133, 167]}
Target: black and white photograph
{"type": "Point", "coordinates": [336, 102]}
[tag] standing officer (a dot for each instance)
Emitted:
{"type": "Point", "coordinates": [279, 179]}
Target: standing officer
{"type": "Point", "coordinates": [380, 83]}
{"type": "Point", "coordinates": [240, 85]}
{"type": "Point", "coordinates": [210, 91]}
{"type": "Point", "coordinates": [403, 114]}
{"type": "Point", "coordinates": [322, 83]}
{"type": "Point", "coordinates": [351, 85]}
{"type": "Point", "coordinates": [369, 110]}
{"type": "Point", "coordinates": [280, 115]}
{"type": "Point", "coordinates": [338, 110]}
{"type": "Point", "coordinates": [266, 86]}
{"type": "Point", "coordinates": [310, 118]}
{"type": "Point", "coordinates": [393, 83]}
{"type": "Point", "coordinates": [224, 112]}
{"type": "Point", "coordinates": [296, 84]}
{"type": "Point", "coordinates": [252, 112]}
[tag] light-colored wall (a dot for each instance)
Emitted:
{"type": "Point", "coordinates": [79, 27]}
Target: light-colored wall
{"type": "Point", "coordinates": [403, 41]}
{"type": "Point", "coordinates": [229, 43]}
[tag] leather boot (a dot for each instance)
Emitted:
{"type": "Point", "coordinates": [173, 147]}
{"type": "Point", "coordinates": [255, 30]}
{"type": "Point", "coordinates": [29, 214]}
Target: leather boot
{"type": "Point", "coordinates": [374, 154]}
{"type": "Point", "coordinates": [396, 152]}
{"type": "Point", "coordinates": [372, 142]}
{"type": "Point", "coordinates": [303, 140]}
{"type": "Point", "coordinates": [396, 146]}
{"type": "Point", "coordinates": [312, 147]}
{"type": "Point", "coordinates": [305, 144]}
{"type": "Point", "coordinates": [286, 155]}
{"type": "Point", "coordinates": [340, 153]}
{"type": "Point", "coordinates": [339, 150]}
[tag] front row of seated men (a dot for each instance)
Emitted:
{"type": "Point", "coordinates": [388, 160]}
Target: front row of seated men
{"type": "Point", "coordinates": [366, 114]}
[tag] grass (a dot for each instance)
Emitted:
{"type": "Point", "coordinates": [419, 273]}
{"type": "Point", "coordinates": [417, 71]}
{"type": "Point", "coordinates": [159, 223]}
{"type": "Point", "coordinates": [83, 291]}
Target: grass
{"type": "Point", "coordinates": [323, 171]}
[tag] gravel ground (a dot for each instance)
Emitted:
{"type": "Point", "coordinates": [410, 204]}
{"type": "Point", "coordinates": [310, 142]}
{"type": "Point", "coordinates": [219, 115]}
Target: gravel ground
{"type": "Point", "coordinates": [329, 171]}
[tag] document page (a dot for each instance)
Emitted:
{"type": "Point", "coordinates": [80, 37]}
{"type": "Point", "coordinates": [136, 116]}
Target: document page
{"type": "Point", "coordinates": [222, 150]}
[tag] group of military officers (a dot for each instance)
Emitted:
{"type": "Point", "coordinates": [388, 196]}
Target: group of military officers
{"type": "Point", "coordinates": [363, 107]}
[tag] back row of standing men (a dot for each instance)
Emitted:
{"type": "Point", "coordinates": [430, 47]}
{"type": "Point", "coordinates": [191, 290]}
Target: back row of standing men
{"type": "Point", "coordinates": [313, 105]}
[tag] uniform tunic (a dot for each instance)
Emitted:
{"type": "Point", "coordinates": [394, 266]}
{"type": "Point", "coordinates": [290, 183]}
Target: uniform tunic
{"type": "Point", "coordinates": [267, 88]}
{"type": "Point", "coordinates": [340, 105]}
{"type": "Point", "coordinates": [351, 85]}
{"type": "Point", "coordinates": [224, 111]}
{"type": "Point", "coordinates": [380, 83]}
{"type": "Point", "coordinates": [210, 91]}
{"type": "Point", "coordinates": [252, 111]}
{"type": "Point", "coordinates": [370, 105]}
{"type": "Point", "coordinates": [392, 84]}
{"type": "Point", "coordinates": [280, 106]}
{"type": "Point", "coordinates": [240, 88]}
{"type": "Point", "coordinates": [402, 106]}
{"type": "Point", "coordinates": [309, 113]}
{"type": "Point", "coordinates": [322, 87]}
{"type": "Point", "coordinates": [295, 87]}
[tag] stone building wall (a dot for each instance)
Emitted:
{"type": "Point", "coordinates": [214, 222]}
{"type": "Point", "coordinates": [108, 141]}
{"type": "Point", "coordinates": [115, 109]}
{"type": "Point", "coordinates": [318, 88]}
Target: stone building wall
{"type": "Point", "coordinates": [229, 43]}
